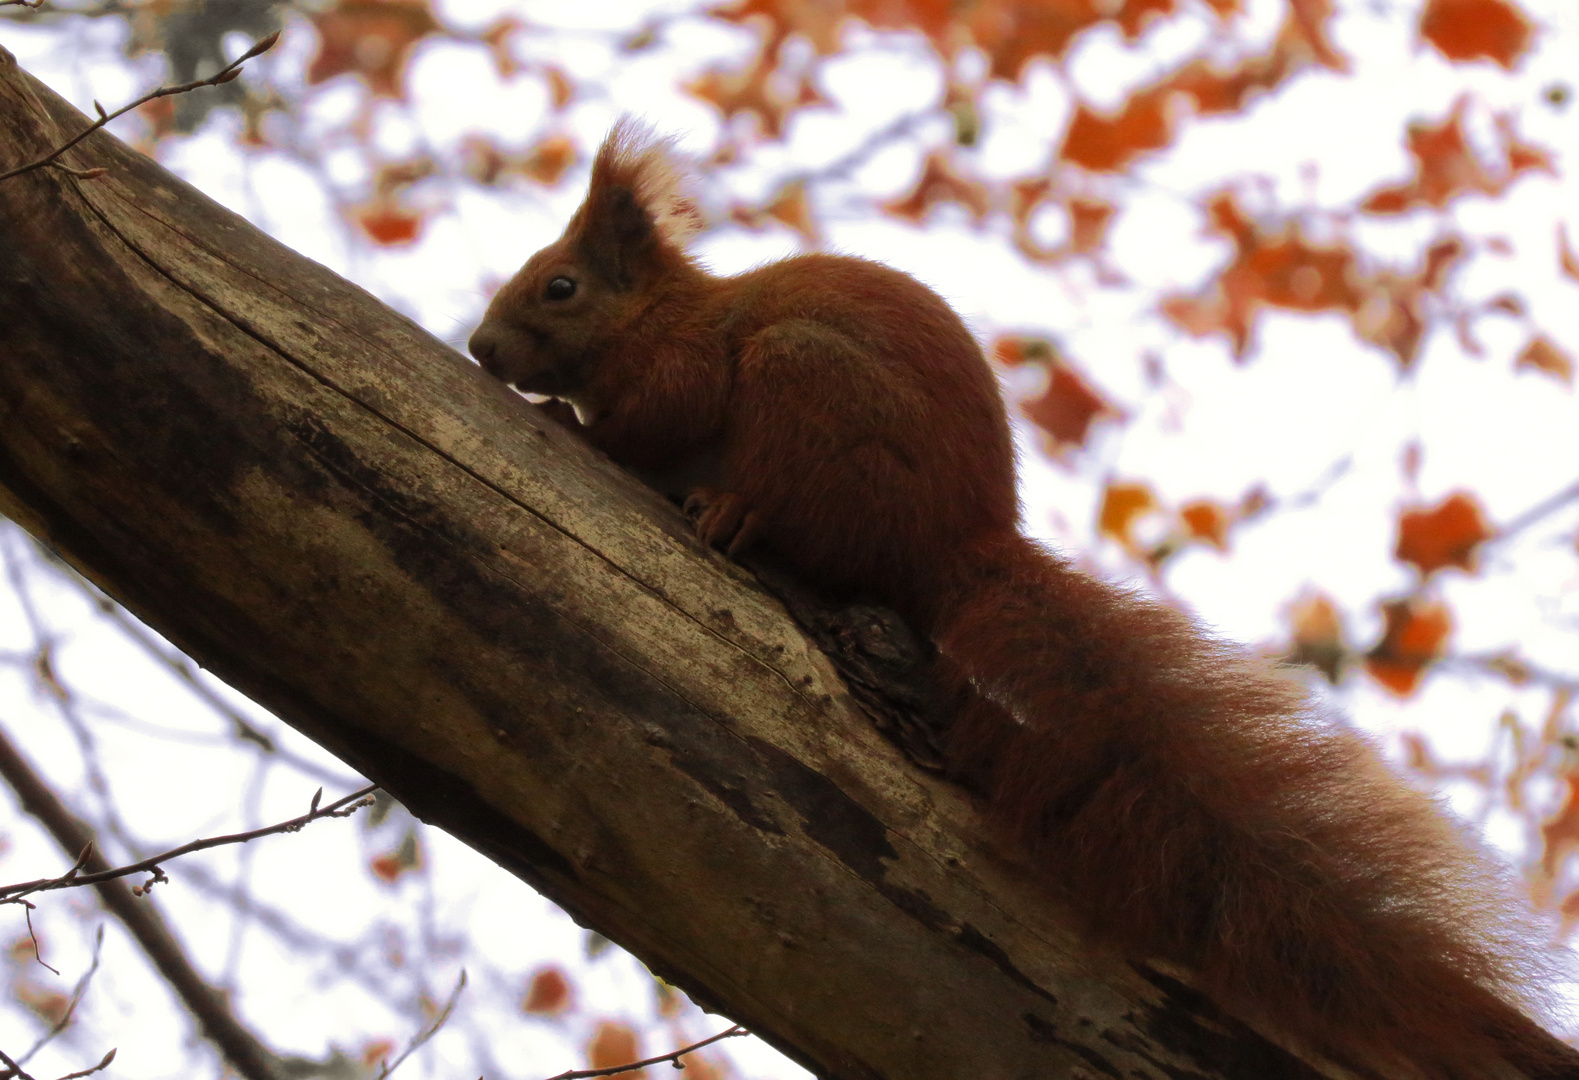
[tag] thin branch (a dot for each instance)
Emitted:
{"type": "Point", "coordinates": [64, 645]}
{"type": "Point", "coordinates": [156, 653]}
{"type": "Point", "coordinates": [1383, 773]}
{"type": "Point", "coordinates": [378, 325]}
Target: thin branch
{"type": "Point", "coordinates": [672, 1058]}
{"type": "Point", "coordinates": [13, 1071]}
{"type": "Point", "coordinates": [428, 1032]}
{"type": "Point", "coordinates": [76, 999]}
{"type": "Point", "coordinates": [245, 1052]}
{"type": "Point", "coordinates": [223, 76]}
{"type": "Point", "coordinates": [1511, 668]}
{"type": "Point", "coordinates": [180, 667]}
{"type": "Point", "coordinates": [33, 4]}
{"type": "Point", "coordinates": [27, 911]}
{"type": "Point", "coordinates": [72, 878]}
{"type": "Point", "coordinates": [1535, 513]}
{"type": "Point", "coordinates": [104, 1063]}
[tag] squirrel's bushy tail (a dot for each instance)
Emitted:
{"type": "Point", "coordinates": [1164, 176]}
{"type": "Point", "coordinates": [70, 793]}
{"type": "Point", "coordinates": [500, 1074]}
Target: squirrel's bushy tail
{"type": "Point", "coordinates": [1198, 809]}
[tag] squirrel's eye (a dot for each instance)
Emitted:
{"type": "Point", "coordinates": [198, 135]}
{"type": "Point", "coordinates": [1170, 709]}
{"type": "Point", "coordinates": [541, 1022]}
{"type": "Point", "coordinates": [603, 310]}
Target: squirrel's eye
{"type": "Point", "coordinates": [560, 288]}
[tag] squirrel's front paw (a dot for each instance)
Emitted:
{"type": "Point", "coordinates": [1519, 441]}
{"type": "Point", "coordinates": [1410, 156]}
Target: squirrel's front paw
{"type": "Point", "coordinates": [723, 520]}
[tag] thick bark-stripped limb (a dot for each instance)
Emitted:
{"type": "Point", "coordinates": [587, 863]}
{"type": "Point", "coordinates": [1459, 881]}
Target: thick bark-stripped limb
{"type": "Point", "coordinates": [360, 529]}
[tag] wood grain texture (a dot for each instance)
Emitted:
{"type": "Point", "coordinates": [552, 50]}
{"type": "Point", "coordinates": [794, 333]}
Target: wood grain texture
{"type": "Point", "coordinates": [355, 526]}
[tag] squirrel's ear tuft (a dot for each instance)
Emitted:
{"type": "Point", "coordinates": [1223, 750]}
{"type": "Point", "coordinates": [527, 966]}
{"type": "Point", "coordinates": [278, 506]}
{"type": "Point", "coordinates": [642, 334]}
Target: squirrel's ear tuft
{"type": "Point", "coordinates": [633, 157]}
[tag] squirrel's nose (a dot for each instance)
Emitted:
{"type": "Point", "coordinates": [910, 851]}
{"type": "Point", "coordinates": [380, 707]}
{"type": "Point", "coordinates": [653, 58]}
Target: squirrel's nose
{"type": "Point", "coordinates": [482, 344]}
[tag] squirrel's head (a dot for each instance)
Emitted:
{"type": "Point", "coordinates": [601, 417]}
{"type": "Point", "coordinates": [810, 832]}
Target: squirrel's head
{"type": "Point", "coordinates": [552, 322]}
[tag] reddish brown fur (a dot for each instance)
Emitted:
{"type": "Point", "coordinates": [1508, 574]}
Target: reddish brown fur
{"type": "Point", "coordinates": [1184, 793]}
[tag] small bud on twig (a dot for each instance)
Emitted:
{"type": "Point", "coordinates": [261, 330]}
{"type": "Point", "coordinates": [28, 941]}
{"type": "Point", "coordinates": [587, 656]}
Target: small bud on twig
{"type": "Point", "coordinates": [229, 72]}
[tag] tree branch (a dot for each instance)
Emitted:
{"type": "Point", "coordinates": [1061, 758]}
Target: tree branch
{"type": "Point", "coordinates": [10, 894]}
{"type": "Point", "coordinates": [426, 1033]}
{"type": "Point", "coordinates": [673, 1058]}
{"type": "Point", "coordinates": [239, 1046]}
{"type": "Point", "coordinates": [224, 75]}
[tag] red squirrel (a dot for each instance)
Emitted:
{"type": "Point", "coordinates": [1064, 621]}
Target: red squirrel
{"type": "Point", "coordinates": [1189, 798]}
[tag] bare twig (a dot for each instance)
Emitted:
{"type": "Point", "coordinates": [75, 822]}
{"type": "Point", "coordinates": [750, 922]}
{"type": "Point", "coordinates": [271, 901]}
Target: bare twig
{"type": "Point", "coordinates": [104, 1063]}
{"type": "Point", "coordinates": [34, 4]}
{"type": "Point", "coordinates": [13, 1071]}
{"type": "Point", "coordinates": [672, 1058]}
{"type": "Point", "coordinates": [179, 666]}
{"type": "Point", "coordinates": [245, 1052]}
{"type": "Point", "coordinates": [428, 1032]}
{"type": "Point", "coordinates": [76, 999]}
{"type": "Point", "coordinates": [28, 913]}
{"type": "Point", "coordinates": [1545, 507]}
{"type": "Point", "coordinates": [223, 76]}
{"type": "Point", "coordinates": [72, 878]}
{"type": "Point", "coordinates": [1515, 669]}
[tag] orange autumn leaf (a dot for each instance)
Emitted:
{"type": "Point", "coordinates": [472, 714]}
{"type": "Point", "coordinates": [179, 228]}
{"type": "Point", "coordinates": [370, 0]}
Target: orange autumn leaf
{"type": "Point", "coordinates": [371, 38]}
{"type": "Point", "coordinates": [1276, 266]}
{"type": "Point", "coordinates": [48, 1005]}
{"type": "Point", "coordinates": [1293, 273]}
{"type": "Point", "coordinates": [1013, 33]}
{"type": "Point", "coordinates": [1207, 521]}
{"type": "Point", "coordinates": [1543, 355]}
{"type": "Point", "coordinates": [1088, 222]}
{"type": "Point", "coordinates": [497, 38]}
{"type": "Point", "coordinates": [561, 90]}
{"type": "Point", "coordinates": [159, 115]}
{"type": "Point", "coordinates": [484, 161]}
{"type": "Point", "coordinates": [1069, 405]}
{"type": "Point", "coordinates": [1565, 254]}
{"type": "Point", "coordinates": [1392, 309]}
{"type": "Point", "coordinates": [1420, 759]}
{"type": "Point", "coordinates": [756, 90]}
{"type": "Point", "coordinates": [1447, 166]}
{"type": "Point", "coordinates": [1107, 143]}
{"type": "Point", "coordinates": [1414, 636]}
{"type": "Point", "coordinates": [389, 225]}
{"type": "Point", "coordinates": [614, 1044]}
{"type": "Point", "coordinates": [377, 1051]}
{"type": "Point", "coordinates": [940, 182]}
{"type": "Point", "coordinates": [1013, 351]}
{"type": "Point", "coordinates": [818, 22]}
{"type": "Point", "coordinates": [387, 867]}
{"type": "Point", "coordinates": [547, 993]}
{"type": "Point", "coordinates": [1444, 535]}
{"type": "Point", "coordinates": [1123, 504]}
{"type": "Point", "coordinates": [1301, 41]}
{"type": "Point", "coordinates": [1560, 835]}
{"type": "Point", "coordinates": [22, 949]}
{"type": "Point", "coordinates": [791, 207]}
{"type": "Point", "coordinates": [1477, 29]}
{"type": "Point", "coordinates": [406, 857]}
{"type": "Point", "coordinates": [1304, 34]}
{"type": "Point", "coordinates": [1508, 304]}
{"type": "Point", "coordinates": [1318, 635]}
{"type": "Point", "coordinates": [384, 217]}
{"type": "Point", "coordinates": [547, 161]}
{"type": "Point", "coordinates": [699, 1068]}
